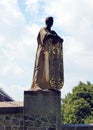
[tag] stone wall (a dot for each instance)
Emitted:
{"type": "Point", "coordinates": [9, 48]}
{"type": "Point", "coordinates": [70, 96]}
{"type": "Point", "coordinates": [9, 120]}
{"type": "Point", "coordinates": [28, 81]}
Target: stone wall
{"type": "Point", "coordinates": [11, 116]}
{"type": "Point", "coordinates": [11, 122]}
{"type": "Point", "coordinates": [40, 122]}
{"type": "Point", "coordinates": [15, 122]}
{"type": "Point", "coordinates": [77, 127]}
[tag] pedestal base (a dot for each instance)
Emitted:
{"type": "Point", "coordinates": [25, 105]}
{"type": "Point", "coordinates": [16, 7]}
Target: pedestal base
{"type": "Point", "coordinates": [42, 110]}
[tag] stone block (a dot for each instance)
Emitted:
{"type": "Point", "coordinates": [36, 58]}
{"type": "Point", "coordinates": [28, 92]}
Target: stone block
{"type": "Point", "coordinates": [77, 127]}
{"type": "Point", "coordinates": [1, 126]}
{"type": "Point", "coordinates": [84, 127]}
{"type": "Point", "coordinates": [43, 108]}
{"type": "Point", "coordinates": [68, 127]}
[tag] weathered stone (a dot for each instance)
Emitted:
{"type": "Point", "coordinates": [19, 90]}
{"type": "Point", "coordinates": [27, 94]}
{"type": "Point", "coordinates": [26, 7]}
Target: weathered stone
{"type": "Point", "coordinates": [68, 127]}
{"type": "Point", "coordinates": [7, 118]}
{"type": "Point", "coordinates": [28, 123]}
{"type": "Point", "coordinates": [26, 117]}
{"type": "Point", "coordinates": [20, 128]}
{"type": "Point", "coordinates": [9, 122]}
{"type": "Point", "coordinates": [51, 118]}
{"type": "Point", "coordinates": [77, 127]}
{"type": "Point", "coordinates": [51, 128]}
{"type": "Point", "coordinates": [21, 122]}
{"type": "Point", "coordinates": [42, 128]}
{"type": "Point", "coordinates": [1, 126]}
{"type": "Point", "coordinates": [7, 128]}
{"type": "Point", "coordinates": [25, 128]}
{"type": "Point", "coordinates": [14, 128]}
{"type": "Point", "coordinates": [15, 121]}
{"type": "Point", "coordinates": [11, 108]}
{"type": "Point", "coordinates": [44, 119]}
{"type": "Point", "coordinates": [84, 127]}
{"type": "Point", "coordinates": [1, 118]}
{"type": "Point", "coordinates": [32, 129]}
{"type": "Point", "coordinates": [37, 123]}
{"type": "Point", "coordinates": [41, 102]}
{"type": "Point", "coordinates": [18, 116]}
{"type": "Point", "coordinates": [45, 124]}
{"type": "Point", "coordinates": [36, 116]}
{"type": "Point", "coordinates": [45, 106]}
{"type": "Point", "coordinates": [32, 118]}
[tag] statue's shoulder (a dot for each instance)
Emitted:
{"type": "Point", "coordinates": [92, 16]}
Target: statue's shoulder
{"type": "Point", "coordinates": [42, 29]}
{"type": "Point", "coordinates": [53, 32]}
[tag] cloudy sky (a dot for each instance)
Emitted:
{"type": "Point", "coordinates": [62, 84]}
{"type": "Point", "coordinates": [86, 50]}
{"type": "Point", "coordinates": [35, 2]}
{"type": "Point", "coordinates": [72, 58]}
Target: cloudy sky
{"type": "Point", "coordinates": [20, 21]}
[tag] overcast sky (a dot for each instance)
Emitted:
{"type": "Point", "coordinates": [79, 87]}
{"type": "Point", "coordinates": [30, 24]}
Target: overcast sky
{"type": "Point", "coordinates": [20, 21]}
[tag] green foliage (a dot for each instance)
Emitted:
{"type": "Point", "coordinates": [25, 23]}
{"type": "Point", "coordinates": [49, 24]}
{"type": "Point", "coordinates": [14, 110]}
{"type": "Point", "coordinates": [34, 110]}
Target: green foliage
{"type": "Point", "coordinates": [77, 107]}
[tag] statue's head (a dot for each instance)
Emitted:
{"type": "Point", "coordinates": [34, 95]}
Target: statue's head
{"type": "Point", "coordinates": [49, 21]}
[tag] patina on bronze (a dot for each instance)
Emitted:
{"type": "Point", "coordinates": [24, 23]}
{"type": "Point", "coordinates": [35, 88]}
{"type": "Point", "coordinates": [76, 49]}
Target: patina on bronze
{"type": "Point", "coordinates": [48, 69]}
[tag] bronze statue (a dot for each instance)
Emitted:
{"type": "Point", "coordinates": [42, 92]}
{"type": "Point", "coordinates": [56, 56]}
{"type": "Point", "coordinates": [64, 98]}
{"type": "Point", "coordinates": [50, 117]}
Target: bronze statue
{"type": "Point", "coordinates": [48, 69]}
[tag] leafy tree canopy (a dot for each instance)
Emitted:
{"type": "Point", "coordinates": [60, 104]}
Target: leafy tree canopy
{"type": "Point", "coordinates": [77, 107]}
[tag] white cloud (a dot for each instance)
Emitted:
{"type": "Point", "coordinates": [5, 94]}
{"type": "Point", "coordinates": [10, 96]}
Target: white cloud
{"type": "Point", "coordinates": [18, 42]}
{"type": "Point", "coordinates": [30, 2]}
{"type": "Point", "coordinates": [17, 47]}
{"type": "Point", "coordinates": [32, 6]}
{"type": "Point", "coordinates": [11, 69]}
{"type": "Point", "coordinates": [12, 22]}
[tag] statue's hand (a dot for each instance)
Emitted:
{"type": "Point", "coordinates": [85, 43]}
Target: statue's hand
{"type": "Point", "coordinates": [61, 39]}
{"type": "Point", "coordinates": [55, 40]}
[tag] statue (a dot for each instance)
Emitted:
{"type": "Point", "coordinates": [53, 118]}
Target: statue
{"type": "Point", "coordinates": [48, 69]}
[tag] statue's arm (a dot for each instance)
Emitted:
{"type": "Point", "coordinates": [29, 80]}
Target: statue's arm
{"type": "Point", "coordinates": [41, 37]}
{"type": "Point", "coordinates": [57, 37]}
{"type": "Point", "coordinates": [44, 35]}
{"type": "Point", "coordinates": [60, 39]}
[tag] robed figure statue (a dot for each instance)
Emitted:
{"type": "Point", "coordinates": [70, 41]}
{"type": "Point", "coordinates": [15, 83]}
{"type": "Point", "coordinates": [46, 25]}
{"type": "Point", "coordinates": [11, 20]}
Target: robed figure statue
{"type": "Point", "coordinates": [48, 68]}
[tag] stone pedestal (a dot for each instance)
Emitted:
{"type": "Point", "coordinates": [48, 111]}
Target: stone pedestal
{"type": "Point", "coordinates": [42, 110]}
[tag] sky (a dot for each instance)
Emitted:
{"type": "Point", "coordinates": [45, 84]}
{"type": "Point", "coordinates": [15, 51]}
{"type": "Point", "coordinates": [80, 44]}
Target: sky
{"type": "Point", "coordinates": [20, 22]}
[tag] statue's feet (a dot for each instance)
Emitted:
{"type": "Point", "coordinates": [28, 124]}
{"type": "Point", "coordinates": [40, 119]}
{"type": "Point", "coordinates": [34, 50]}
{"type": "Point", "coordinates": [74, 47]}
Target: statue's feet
{"type": "Point", "coordinates": [53, 89]}
{"type": "Point", "coordinates": [36, 88]}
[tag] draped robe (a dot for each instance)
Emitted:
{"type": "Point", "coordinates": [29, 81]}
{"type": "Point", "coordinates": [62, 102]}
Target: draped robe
{"type": "Point", "coordinates": [48, 68]}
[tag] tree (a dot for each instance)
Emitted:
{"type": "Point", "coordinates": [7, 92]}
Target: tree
{"type": "Point", "coordinates": [77, 107]}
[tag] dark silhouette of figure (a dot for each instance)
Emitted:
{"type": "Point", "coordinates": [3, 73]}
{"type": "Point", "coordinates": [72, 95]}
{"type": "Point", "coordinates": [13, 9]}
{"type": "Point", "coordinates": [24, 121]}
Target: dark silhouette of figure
{"type": "Point", "coordinates": [48, 69]}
